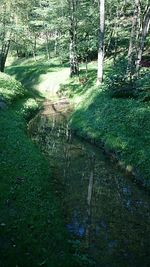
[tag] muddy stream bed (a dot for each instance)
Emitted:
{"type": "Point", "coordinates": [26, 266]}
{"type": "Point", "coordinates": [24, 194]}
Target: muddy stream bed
{"type": "Point", "coordinates": [106, 214]}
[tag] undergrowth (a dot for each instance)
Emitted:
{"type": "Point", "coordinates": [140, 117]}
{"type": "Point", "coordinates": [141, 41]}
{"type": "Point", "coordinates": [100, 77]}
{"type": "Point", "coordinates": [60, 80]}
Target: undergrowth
{"type": "Point", "coordinates": [10, 89]}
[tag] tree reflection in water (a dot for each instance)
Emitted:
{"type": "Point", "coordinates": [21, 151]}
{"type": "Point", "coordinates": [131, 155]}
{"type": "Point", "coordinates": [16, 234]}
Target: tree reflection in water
{"type": "Point", "coordinates": [112, 222]}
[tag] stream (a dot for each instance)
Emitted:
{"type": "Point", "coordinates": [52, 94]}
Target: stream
{"type": "Point", "coordinates": [106, 214]}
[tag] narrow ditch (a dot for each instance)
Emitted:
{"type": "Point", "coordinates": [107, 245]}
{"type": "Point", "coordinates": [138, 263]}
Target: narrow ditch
{"type": "Point", "coordinates": [106, 214]}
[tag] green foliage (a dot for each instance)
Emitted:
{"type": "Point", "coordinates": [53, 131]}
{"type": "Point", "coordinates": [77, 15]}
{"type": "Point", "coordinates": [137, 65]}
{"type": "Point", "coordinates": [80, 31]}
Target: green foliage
{"type": "Point", "coordinates": [10, 89]}
{"type": "Point", "coordinates": [143, 86]}
{"type": "Point", "coordinates": [120, 86]}
{"type": "Point", "coordinates": [81, 257]}
{"type": "Point", "coordinates": [117, 83]}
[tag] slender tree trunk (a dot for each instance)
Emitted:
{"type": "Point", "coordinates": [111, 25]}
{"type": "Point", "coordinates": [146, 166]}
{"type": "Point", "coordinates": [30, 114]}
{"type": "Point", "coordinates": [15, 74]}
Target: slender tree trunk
{"type": "Point", "coordinates": [47, 46]}
{"type": "Point", "coordinates": [86, 66]}
{"type": "Point", "coordinates": [144, 32]}
{"type": "Point", "coordinates": [3, 55]}
{"type": "Point", "coordinates": [116, 34]}
{"type": "Point", "coordinates": [74, 66]}
{"type": "Point", "coordinates": [56, 43]}
{"type": "Point", "coordinates": [34, 48]}
{"type": "Point", "coordinates": [132, 51]}
{"type": "Point", "coordinates": [114, 31]}
{"type": "Point", "coordinates": [101, 41]}
{"type": "Point", "coordinates": [74, 69]}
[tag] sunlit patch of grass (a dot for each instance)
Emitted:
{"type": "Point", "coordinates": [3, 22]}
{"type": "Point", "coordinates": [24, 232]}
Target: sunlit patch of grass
{"type": "Point", "coordinates": [40, 59]}
{"type": "Point", "coordinates": [40, 79]}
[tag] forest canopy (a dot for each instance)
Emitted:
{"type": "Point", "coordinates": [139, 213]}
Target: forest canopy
{"type": "Point", "coordinates": [77, 31]}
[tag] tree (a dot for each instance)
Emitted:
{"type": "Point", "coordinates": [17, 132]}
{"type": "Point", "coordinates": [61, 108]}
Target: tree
{"type": "Point", "coordinates": [139, 31]}
{"type": "Point", "coordinates": [74, 66]}
{"type": "Point", "coordinates": [5, 32]}
{"type": "Point", "coordinates": [144, 32]}
{"type": "Point", "coordinates": [134, 37]}
{"type": "Point", "coordinates": [101, 41]}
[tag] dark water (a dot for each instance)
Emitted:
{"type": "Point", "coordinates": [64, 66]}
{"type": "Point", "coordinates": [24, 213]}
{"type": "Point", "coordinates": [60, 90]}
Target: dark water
{"type": "Point", "coordinates": [106, 214]}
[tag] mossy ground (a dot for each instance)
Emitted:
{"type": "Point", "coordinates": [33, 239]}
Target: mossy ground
{"type": "Point", "coordinates": [32, 232]}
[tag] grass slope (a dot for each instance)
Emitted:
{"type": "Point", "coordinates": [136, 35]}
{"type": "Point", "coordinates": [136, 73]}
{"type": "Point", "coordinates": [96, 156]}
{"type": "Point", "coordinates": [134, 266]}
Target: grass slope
{"type": "Point", "coordinates": [122, 125]}
{"type": "Point", "coordinates": [32, 232]}
{"type": "Point", "coordinates": [43, 78]}
{"type": "Point", "coordinates": [10, 89]}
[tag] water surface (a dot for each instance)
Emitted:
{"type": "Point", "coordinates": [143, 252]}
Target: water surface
{"type": "Point", "coordinates": [106, 214]}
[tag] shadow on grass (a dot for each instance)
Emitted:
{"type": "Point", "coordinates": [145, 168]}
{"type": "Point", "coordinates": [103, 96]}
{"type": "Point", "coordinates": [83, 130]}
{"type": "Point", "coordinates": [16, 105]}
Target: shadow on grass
{"type": "Point", "coordinates": [30, 75]}
{"type": "Point", "coordinates": [54, 62]}
{"type": "Point", "coordinates": [78, 86]}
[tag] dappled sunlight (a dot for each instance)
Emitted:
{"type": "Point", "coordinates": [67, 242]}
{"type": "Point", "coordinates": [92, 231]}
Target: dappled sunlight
{"type": "Point", "coordinates": [50, 82]}
{"type": "Point", "coordinates": [42, 80]}
{"type": "Point", "coordinates": [79, 86]}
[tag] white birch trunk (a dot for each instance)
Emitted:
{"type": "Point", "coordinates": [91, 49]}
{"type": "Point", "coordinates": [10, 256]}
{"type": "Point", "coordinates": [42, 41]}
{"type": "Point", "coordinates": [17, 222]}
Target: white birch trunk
{"type": "Point", "coordinates": [101, 42]}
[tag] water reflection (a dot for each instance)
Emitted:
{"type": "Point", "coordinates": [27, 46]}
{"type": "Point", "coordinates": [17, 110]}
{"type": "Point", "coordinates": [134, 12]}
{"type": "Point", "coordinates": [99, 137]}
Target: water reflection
{"type": "Point", "coordinates": [103, 209]}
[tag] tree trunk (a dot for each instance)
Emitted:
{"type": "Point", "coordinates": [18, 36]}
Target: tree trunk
{"type": "Point", "coordinates": [86, 66]}
{"type": "Point", "coordinates": [144, 32]}
{"type": "Point", "coordinates": [3, 55]}
{"type": "Point", "coordinates": [116, 34]}
{"type": "Point", "coordinates": [74, 66]}
{"type": "Point", "coordinates": [74, 69]}
{"type": "Point", "coordinates": [132, 51]}
{"type": "Point", "coordinates": [101, 41]}
{"type": "Point", "coordinates": [56, 43]}
{"type": "Point", "coordinates": [34, 48]}
{"type": "Point", "coordinates": [47, 46]}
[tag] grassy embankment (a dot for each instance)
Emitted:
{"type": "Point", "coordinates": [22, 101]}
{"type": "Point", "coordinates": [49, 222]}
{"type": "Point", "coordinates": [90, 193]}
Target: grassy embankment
{"type": "Point", "coordinates": [121, 125]}
{"type": "Point", "coordinates": [32, 231]}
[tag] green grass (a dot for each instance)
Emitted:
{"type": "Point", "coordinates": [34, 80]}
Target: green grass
{"type": "Point", "coordinates": [122, 125]}
{"type": "Point", "coordinates": [32, 231]}
{"type": "Point", "coordinates": [10, 89]}
{"type": "Point", "coordinates": [41, 78]}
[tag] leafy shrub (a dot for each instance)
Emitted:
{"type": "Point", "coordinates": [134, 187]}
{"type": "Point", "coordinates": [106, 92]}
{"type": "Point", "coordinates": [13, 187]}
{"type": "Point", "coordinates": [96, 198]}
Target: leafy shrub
{"type": "Point", "coordinates": [117, 83]}
{"type": "Point", "coordinates": [10, 89]}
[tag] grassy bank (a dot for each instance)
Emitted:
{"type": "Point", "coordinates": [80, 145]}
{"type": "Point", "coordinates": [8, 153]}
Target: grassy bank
{"type": "Point", "coordinates": [42, 77]}
{"type": "Point", "coordinates": [32, 232]}
{"type": "Point", "coordinates": [121, 125]}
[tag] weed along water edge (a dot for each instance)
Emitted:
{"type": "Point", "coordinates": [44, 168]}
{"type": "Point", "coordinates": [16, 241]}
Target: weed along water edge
{"type": "Point", "coordinates": [106, 214]}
